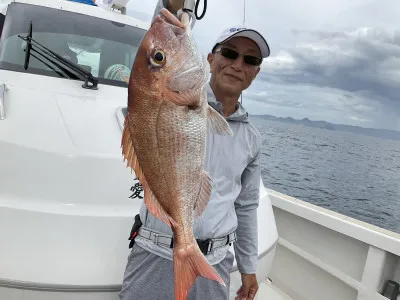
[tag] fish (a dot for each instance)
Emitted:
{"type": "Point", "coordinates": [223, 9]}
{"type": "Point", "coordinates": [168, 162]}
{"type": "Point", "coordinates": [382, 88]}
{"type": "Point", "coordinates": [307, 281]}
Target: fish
{"type": "Point", "coordinates": [164, 138]}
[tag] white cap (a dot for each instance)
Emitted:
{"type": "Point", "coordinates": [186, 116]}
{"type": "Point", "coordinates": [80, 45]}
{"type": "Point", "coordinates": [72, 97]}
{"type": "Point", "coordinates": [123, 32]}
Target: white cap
{"type": "Point", "coordinates": [252, 34]}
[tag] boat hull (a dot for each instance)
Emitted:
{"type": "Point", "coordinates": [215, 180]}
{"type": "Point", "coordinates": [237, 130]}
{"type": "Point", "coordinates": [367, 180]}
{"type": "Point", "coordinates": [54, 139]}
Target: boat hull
{"type": "Point", "coordinates": [65, 200]}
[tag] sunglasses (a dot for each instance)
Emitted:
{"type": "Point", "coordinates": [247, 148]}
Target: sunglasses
{"type": "Point", "coordinates": [232, 54]}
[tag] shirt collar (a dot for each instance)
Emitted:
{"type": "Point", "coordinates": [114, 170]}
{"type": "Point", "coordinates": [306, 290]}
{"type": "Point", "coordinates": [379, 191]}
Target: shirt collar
{"type": "Point", "coordinates": [240, 115]}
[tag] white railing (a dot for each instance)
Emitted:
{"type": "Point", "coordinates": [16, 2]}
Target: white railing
{"type": "Point", "coordinates": [325, 255]}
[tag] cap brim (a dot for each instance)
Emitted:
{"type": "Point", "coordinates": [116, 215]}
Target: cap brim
{"type": "Point", "coordinates": [254, 36]}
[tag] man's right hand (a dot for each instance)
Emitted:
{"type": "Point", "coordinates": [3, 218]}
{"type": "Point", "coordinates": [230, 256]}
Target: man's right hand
{"type": "Point", "coordinates": [175, 5]}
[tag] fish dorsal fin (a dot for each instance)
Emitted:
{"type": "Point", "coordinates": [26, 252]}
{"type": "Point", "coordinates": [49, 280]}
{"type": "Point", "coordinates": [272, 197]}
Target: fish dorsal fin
{"type": "Point", "coordinates": [150, 200]}
{"type": "Point", "coordinates": [216, 123]}
{"type": "Point", "coordinates": [204, 194]}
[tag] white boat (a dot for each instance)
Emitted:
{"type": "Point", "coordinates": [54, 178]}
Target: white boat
{"type": "Point", "coordinates": [322, 254]}
{"type": "Point", "coordinates": [65, 206]}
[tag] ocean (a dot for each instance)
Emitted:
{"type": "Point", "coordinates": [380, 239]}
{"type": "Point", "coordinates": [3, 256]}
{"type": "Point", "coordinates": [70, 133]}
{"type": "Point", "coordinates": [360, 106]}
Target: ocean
{"type": "Point", "coordinates": [352, 174]}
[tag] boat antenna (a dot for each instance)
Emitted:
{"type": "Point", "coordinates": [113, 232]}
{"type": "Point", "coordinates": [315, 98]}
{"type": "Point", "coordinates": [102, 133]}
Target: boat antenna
{"type": "Point", "coordinates": [244, 21]}
{"type": "Point", "coordinates": [244, 12]}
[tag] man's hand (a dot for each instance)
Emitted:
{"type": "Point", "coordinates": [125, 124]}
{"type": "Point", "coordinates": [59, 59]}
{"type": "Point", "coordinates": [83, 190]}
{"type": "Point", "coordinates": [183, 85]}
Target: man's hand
{"type": "Point", "coordinates": [249, 287]}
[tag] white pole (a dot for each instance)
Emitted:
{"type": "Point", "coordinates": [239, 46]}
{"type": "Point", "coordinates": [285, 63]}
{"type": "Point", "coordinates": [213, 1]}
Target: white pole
{"type": "Point", "coordinates": [244, 12]}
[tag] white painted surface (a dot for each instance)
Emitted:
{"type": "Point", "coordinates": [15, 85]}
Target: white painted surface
{"type": "Point", "coordinates": [325, 255]}
{"type": "Point", "coordinates": [90, 10]}
{"type": "Point", "coordinates": [65, 188]}
{"type": "Point", "coordinates": [61, 198]}
{"type": "Point", "coordinates": [268, 291]}
{"type": "Point", "coordinates": [364, 232]}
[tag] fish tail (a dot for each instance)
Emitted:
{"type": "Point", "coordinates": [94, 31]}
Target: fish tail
{"type": "Point", "coordinates": [189, 262]}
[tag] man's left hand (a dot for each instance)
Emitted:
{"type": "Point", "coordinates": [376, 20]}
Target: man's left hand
{"type": "Point", "coordinates": [249, 287]}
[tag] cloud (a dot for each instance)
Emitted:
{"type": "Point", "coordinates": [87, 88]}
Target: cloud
{"type": "Point", "coordinates": [354, 72]}
{"type": "Point", "coordinates": [367, 59]}
{"type": "Point", "coordinates": [319, 103]}
{"type": "Point", "coordinates": [368, 14]}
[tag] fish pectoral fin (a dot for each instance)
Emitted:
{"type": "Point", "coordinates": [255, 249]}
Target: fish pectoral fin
{"type": "Point", "coordinates": [216, 123]}
{"type": "Point", "coordinates": [204, 194]}
{"type": "Point", "coordinates": [154, 206]}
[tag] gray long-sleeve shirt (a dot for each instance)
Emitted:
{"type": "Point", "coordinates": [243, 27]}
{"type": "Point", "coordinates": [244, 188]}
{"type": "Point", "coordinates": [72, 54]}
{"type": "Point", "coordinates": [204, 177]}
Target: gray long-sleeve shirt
{"type": "Point", "coordinates": [233, 163]}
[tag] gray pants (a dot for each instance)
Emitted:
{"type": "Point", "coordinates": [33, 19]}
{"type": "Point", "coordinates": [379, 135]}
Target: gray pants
{"type": "Point", "coordinates": [150, 277]}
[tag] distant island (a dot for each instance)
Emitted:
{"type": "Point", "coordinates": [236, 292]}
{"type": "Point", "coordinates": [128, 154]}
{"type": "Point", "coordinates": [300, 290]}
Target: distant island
{"type": "Point", "coordinates": [381, 133]}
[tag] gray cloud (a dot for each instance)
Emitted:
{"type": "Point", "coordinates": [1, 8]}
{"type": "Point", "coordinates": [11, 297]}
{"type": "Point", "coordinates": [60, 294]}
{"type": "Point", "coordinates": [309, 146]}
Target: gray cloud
{"type": "Point", "coordinates": [367, 59]}
{"type": "Point", "coordinates": [320, 103]}
{"type": "Point", "coordinates": [359, 68]}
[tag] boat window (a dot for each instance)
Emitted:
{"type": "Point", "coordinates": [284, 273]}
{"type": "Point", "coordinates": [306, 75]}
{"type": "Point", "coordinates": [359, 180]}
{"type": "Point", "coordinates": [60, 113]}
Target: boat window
{"type": "Point", "coordinates": [105, 48]}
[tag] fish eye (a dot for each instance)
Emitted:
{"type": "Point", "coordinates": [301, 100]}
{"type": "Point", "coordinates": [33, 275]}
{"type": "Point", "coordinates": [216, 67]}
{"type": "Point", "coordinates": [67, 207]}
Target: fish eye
{"type": "Point", "coordinates": [157, 57]}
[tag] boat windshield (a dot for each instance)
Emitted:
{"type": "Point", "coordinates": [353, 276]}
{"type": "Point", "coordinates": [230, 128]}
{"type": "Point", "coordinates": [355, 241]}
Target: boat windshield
{"type": "Point", "coordinates": [105, 48]}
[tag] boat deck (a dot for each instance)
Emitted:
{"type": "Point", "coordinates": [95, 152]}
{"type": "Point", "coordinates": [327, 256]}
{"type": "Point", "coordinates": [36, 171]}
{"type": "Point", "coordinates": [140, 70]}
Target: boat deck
{"type": "Point", "coordinates": [268, 291]}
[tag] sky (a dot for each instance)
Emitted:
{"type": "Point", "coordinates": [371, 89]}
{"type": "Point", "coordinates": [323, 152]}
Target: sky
{"type": "Point", "coordinates": [337, 61]}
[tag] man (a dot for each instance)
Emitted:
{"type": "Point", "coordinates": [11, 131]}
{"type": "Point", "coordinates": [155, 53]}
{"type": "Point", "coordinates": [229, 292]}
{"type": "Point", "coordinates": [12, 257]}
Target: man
{"type": "Point", "coordinates": [234, 165]}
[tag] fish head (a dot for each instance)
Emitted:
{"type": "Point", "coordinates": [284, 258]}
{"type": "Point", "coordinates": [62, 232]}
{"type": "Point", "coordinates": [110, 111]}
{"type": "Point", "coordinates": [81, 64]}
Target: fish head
{"type": "Point", "coordinates": [169, 59]}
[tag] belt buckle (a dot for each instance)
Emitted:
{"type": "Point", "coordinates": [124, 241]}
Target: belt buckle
{"type": "Point", "coordinates": [205, 246]}
{"type": "Point", "coordinates": [231, 238]}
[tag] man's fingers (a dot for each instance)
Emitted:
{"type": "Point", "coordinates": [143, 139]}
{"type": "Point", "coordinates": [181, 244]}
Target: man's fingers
{"type": "Point", "coordinates": [252, 294]}
{"type": "Point", "coordinates": [249, 287]}
{"type": "Point", "coordinates": [239, 291]}
{"type": "Point", "coordinates": [185, 19]}
{"type": "Point", "coordinates": [245, 293]}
